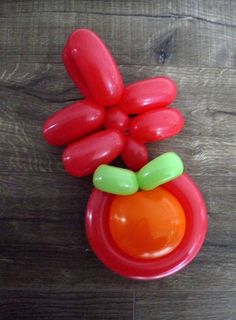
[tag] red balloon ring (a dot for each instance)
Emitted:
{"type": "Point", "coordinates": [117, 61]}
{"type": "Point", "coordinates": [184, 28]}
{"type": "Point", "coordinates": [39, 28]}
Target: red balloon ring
{"type": "Point", "coordinates": [100, 239]}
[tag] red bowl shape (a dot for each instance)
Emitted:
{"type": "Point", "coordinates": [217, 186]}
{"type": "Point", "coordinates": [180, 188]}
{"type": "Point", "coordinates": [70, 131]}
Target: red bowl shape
{"type": "Point", "coordinates": [100, 239]}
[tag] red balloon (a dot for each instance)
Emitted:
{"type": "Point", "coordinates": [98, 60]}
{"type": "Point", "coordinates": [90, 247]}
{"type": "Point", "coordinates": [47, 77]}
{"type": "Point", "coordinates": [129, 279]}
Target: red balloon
{"type": "Point", "coordinates": [72, 122]}
{"type": "Point", "coordinates": [147, 224]}
{"type": "Point", "coordinates": [116, 118]}
{"type": "Point", "coordinates": [134, 154]}
{"type": "Point", "coordinates": [148, 94]}
{"type": "Point", "coordinates": [74, 74]}
{"type": "Point", "coordinates": [83, 157]}
{"type": "Point", "coordinates": [100, 239]}
{"type": "Point", "coordinates": [94, 64]}
{"type": "Point", "coordinates": [156, 124]}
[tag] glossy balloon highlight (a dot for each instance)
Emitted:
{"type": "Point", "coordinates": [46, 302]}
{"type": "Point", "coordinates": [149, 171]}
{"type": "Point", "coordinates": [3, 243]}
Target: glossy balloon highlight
{"type": "Point", "coordinates": [147, 225]}
{"type": "Point", "coordinates": [84, 156]}
{"type": "Point", "coordinates": [134, 154]}
{"type": "Point", "coordinates": [160, 170]}
{"type": "Point", "coordinates": [116, 118]}
{"type": "Point", "coordinates": [115, 180]}
{"type": "Point", "coordinates": [73, 122]}
{"type": "Point", "coordinates": [92, 67]}
{"type": "Point", "coordinates": [148, 94]}
{"type": "Point", "coordinates": [158, 124]}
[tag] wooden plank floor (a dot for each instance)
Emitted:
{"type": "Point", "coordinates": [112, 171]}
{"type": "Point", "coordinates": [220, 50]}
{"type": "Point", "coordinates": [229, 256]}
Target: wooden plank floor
{"type": "Point", "coordinates": [47, 270]}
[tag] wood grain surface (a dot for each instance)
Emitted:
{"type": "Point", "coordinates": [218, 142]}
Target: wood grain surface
{"type": "Point", "coordinates": [47, 269]}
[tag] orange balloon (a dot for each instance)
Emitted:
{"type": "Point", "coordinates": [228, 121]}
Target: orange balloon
{"type": "Point", "coordinates": [147, 224]}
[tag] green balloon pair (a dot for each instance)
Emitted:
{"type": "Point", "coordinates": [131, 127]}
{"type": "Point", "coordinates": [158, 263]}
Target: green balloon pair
{"type": "Point", "coordinates": [121, 181]}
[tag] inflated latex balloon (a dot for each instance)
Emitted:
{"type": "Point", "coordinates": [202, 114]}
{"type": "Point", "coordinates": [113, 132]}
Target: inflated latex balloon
{"type": "Point", "coordinates": [84, 156]}
{"type": "Point", "coordinates": [160, 170]}
{"type": "Point", "coordinates": [92, 67]}
{"type": "Point", "coordinates": [138, 234]}
{"type": "Point", "coordinates": [147, 225]}
{"type": "Point", "coordinates": [115, 180]}
{"type": "Point", "coordinates": [75, 76]}
{"type": "Point", "coordinates": [72, 122]}
{"type": "Point", "coordinates": [103, 244]}
{"type": "Point", "coordinates": [147, 94]}
{"type": "Point", "coordinates": [134, 154]}
{"type": "Point", "coordinates": [116, 118]}
{"type": "Point", "coordinates": [156, 124]}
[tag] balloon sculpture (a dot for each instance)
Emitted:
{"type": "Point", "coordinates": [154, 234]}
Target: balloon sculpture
{"type": "Point", "coordinates": [147, 221]}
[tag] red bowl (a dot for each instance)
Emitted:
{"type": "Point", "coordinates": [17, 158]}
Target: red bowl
{"type": "Point", "coordinates": [100, 239]}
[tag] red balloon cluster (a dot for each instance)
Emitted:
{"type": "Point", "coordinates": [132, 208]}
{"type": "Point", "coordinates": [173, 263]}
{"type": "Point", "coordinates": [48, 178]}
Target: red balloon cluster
{"type": "Point", "coordinates": [98, 128]}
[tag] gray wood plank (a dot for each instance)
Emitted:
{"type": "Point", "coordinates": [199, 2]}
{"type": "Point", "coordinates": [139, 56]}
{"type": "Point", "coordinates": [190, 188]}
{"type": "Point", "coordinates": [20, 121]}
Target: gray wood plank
{"type": "Point", "coordinates": [54, 200]}
{"type": "Point", "coordinates": [43, 208]}
{"type": "Point", "coordinates": [47, 268]}
{"type": "Point", "coordinates": [166, 41]}
{"type": "Point", "coordinates": [186, 305]}
{"type": "Point", "coordinates": [44, 305]}
{"type": "Point", "coordinates": [22, 6]}
{"type": "Point", "coordinates": [214, 11]}
{"type": "Point", "coordinates": [35, 37]}
{"type": "Point", "coordinates": [183, 37]}
{"type": "Point", "coordinates": [29, 93]}
{"type": "Point", "coordinates": [40, 266]}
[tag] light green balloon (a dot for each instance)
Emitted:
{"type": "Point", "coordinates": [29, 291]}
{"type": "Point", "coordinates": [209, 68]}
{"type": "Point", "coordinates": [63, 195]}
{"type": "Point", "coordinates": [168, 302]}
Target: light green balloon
{"type": "Point", "coordinates": [115, 180]}
{"type": "Point", "coordinates": [162, 169]}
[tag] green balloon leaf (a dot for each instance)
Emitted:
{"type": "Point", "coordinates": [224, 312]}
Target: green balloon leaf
{"type": "Point", "coordinates": [160, 170]}
{"type": "Point", "coordinates": [115, 180]}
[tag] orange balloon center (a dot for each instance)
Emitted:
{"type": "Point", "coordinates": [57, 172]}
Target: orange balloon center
{"type": "Point", "coordinates": [147, 224]}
